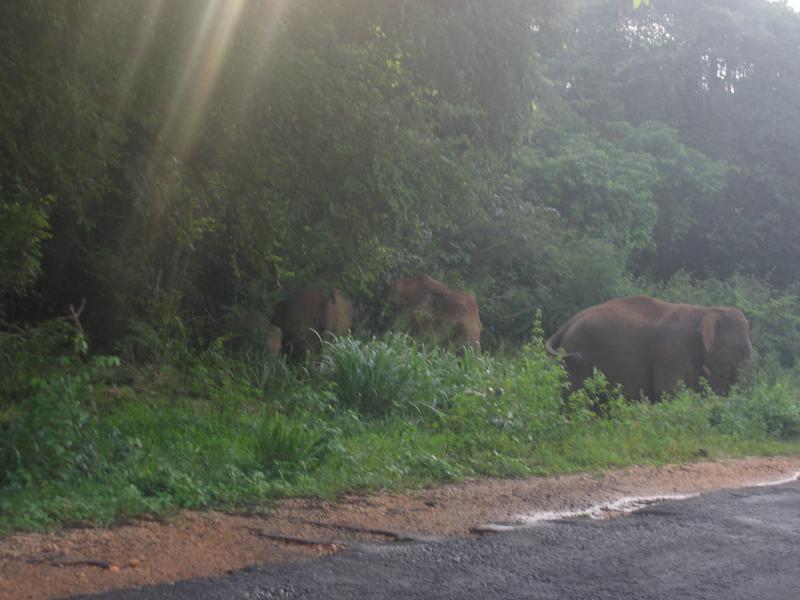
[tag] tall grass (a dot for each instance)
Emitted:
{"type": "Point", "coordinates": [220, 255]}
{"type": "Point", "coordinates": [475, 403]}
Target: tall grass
{"type": "Point", "coordinates": [396, 375]}
{"type": "Point", "coordinates": [282, 446]}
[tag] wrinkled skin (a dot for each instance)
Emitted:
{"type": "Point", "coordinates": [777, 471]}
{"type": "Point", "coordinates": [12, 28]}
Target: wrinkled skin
{"type": "Point", "coordinates": [428, 308]}
{"type": "Point", "coordinates": [647, 345]}
{"type": "Point", "coordinates": [310, 314]}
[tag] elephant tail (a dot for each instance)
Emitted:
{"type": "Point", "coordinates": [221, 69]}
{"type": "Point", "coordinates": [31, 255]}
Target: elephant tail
{"type": "Point", "coordinates": [548, 345]}
{"type": "Point", "coordinates": [554, 341]}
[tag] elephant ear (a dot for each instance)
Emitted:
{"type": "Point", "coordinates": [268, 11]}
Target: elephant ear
{"type": "Point", "coordinates": [708, 329]}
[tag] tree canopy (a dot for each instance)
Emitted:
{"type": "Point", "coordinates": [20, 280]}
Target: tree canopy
{"type": "Point", "coordinates": [193, 161]}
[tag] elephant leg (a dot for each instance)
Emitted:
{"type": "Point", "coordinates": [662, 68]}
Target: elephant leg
{"type": "Point", "coordinates": [578, 370]}
{"type": "Point", "coordinates": [668, 374]}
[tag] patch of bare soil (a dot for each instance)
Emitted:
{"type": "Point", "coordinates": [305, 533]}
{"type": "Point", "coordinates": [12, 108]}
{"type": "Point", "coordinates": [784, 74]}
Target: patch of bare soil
{"type": "Point", "coordinates": [194, 544]}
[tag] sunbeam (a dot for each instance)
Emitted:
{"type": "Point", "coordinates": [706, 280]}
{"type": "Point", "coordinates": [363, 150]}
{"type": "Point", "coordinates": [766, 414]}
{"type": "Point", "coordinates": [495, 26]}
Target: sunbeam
{"type": "Point", "coordinates": [144, 38]}
{"type": "Point", "coordinates": [271, 18]}
{"type": "Point", "coordinates": [200, 75]}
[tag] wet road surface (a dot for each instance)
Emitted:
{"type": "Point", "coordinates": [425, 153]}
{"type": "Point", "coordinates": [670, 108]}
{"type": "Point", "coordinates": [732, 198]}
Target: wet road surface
{"type": "Point", "coordinates": [741, 544]}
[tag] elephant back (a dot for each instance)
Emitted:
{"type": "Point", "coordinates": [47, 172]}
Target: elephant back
{"type": "Point", "coordinates": [428, 307]}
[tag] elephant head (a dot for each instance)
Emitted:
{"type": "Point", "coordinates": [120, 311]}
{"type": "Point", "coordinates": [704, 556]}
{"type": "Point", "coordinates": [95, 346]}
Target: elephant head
{"type": "Point", "coordinates": [429, 308]}
{"type": "Point", "coordinates": [727, 351]}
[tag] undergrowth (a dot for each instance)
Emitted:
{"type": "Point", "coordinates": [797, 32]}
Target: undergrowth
{"type": "Point", "coordinates": [96, 440]}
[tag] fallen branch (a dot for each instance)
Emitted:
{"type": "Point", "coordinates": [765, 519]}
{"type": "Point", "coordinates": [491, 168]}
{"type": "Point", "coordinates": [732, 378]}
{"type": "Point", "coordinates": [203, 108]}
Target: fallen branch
{"type": "Point", "coordinates": [74, 316]}
{"type": "Point", "coordinates": [75, 562]}
{"type": "Point", "coordinates": [492, 528]}
{"type": "Point", "coordinates": [397, 536]}
{"type": "Point", "coordinates": [291, 539]}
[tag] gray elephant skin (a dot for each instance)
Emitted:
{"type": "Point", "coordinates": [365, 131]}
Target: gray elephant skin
{"type": "Point", "coordinates": [310, 314]}
{"type": "Point", "coordinates": [648, 346]}
{"type": "Point", "coordinates": [427, 307]}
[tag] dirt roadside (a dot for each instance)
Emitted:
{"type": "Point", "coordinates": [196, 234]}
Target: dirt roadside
{"type": "Point", "coordinates": [204, 544]}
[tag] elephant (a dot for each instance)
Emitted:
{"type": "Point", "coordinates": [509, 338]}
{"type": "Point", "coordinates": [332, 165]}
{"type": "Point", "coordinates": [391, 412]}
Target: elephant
{"type": "Point", "coordinates": [309, 314]}
{"type": "Point", "coordinates": [429, 308]}
{"type": "Point", "coordinates": [253, 330]}
{"type": "Point", "coordinates": [273, 339]}
{"type": "Point", "coordinates": [647, 346]}
{"type": "Point", "coordinates": [269, 335]}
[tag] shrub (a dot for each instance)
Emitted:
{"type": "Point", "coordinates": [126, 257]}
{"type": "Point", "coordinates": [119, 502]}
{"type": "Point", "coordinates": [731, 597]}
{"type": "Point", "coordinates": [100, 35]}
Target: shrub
{"type": "Point", "coordinates": [159, 335]}
{"type": "Point", "coordinates": [26, 354]}
{"type": "Point", "coordinates": [283, 447]}
{"type": "Point", "coordinates": [520, 396]}
{"type": "Point", "coordinates": [769, 408]}
{"type": "Point", "coordinates": [390, 375]}
{"type": "Point", "coordinates": [54, 433]}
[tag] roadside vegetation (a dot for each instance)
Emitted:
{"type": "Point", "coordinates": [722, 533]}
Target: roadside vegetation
{"type": "Point", "coordinates": [97, 441]}
{"type": "Point", "coordinates": [184, 166]}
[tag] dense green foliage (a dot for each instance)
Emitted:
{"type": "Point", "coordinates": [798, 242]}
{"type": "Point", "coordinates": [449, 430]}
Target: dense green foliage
{"type": "Point", "coordinates": [90, 444]}
{"type": "Point", "coordinates": [185, 165]}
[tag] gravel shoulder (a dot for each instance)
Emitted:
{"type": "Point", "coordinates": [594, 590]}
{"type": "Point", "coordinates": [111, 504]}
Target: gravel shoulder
{"type": "Point", "coordinates": [206, 544]}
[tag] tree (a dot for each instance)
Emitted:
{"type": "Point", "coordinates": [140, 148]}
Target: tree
{"type": "Point", "coordinates": [718, 73]}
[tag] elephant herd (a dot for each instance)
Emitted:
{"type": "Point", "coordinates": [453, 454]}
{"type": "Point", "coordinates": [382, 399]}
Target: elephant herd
{"type": "Point", "coordinates": [644, 345]}
{"type": "Point", "coordinates": [424, 307]}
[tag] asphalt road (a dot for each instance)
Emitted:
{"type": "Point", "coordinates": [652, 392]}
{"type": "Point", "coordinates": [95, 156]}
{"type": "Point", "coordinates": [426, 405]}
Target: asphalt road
{"type": "Point", "coordinates": [727, 545]}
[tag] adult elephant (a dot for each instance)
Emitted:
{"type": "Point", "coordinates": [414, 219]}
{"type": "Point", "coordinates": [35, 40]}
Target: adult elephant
{"type": "Point", "coordinates": [647, 345]}
{"type": "Point", "coordinates": [429, 308]}
{"type": "Point", "coordinates": [308, 315]}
